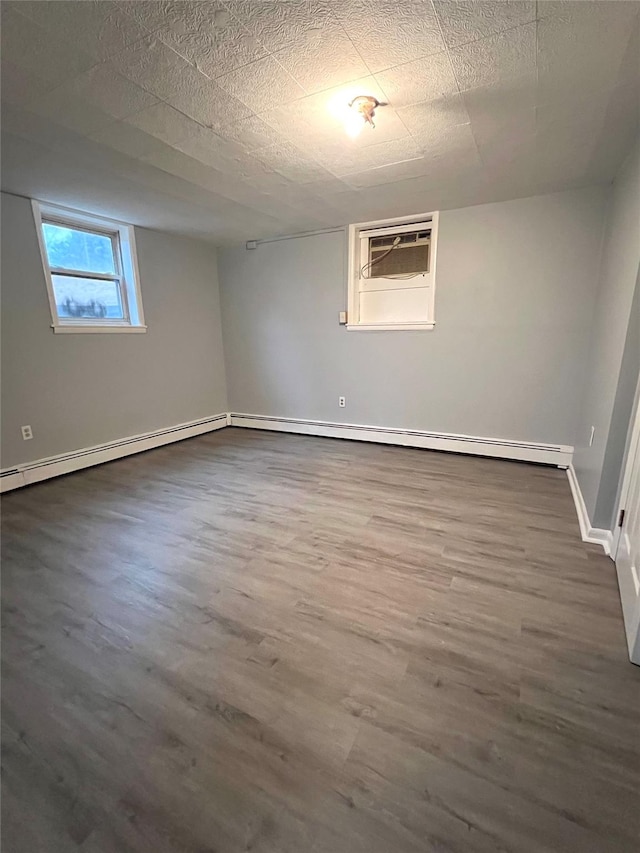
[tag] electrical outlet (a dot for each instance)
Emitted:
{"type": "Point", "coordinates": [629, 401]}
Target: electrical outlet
{"type": "Point", "coordinates": [27, 432]}
{"type": "Point", "coordinates": [593, 432]}
{"type": "Point", "coordinates": [342, 402]}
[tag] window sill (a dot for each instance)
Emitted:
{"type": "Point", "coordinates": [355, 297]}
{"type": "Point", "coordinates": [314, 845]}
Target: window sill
{"type": "Point", "coordinates": [91, 330]}
{"type": "Point", "coordinates": [389, 327]}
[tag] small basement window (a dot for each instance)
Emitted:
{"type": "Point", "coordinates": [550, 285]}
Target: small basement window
{"type": "Point", "coordinates": [91, 271]}
{"type": "Point", "coordinates": [392, 267]}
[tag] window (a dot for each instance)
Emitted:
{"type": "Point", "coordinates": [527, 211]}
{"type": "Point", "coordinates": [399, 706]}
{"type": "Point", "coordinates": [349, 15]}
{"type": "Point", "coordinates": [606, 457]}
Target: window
{"type": "Point", "coordinates": [91, 271]}
{"type": "Point", "coordinates": [392, 268]}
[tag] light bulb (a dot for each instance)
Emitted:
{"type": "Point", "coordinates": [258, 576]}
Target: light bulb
{"type": "Point", "coordinates": [353, 124]}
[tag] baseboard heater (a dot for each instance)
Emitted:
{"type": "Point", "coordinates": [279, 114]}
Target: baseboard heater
{"type": "Point", "coordinates": [65, 463]}
{"type": "Point", "coordinates": [54, 466]}
{"type": "Point", "coordinates": [523, 451]}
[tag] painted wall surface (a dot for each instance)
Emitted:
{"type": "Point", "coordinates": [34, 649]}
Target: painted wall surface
{"type": "Point", "coordinates": [610, 480]}
{"type": "Point", "coordinates": [617, 282]}
{"type": "Point", "coordinates": [516, 285]}
{"type": "Point", "coordinates": [80, 390]}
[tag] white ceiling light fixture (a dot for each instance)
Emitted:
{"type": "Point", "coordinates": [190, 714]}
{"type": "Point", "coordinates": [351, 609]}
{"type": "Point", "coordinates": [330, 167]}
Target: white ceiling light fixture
{"type": "Point", "coordinates": [361, 111]}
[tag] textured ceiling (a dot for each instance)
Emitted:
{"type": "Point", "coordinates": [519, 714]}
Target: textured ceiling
{"type": "Point", "coordinates": [218, 119]}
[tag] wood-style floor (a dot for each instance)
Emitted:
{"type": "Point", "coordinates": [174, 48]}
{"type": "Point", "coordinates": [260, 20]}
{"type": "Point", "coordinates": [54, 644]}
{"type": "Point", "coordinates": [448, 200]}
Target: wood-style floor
{"type": "Point", "coordinates": [260, 642]}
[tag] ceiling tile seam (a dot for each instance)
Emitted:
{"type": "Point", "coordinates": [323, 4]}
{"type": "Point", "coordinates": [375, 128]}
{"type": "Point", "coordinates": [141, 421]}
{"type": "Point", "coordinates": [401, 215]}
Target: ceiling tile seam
{"type": "Point", "coordinates": [502, 32]}
{"type": "Point", "coordinates": [537, 95]}
{"type": "Point", "coordinates": [175, 109]}
{"type": "Point", "coordinates": [19, 8]}
{"type": "Point", "coordinates": [446, 51]}
{"type": "Point", "coordinates": [194, 64]}
{"type": "Point", "coordinates": [263, 116]}
{"type": "Point", "coordinates": [56, 148]}
{"type": "Point", "coordinates": [402, 122]}
{"type": "Point", "coordinates": [311, 157]}
{"type": "Point", "coordinates": [150, 30]}
{"type": "Point", "coordinates": [112, 121]}
{"type": "Point", "coordinates": [78, 98]}
{"type": "Point", "coordinates": [288, 73]}
{"type": "Point", "coordinates": [47, 36]}
{"type": "Point", "coordinates": [214, 193]}
{"type": "Point", "coordinates": [353, 44]}
{"type": "Point", "coordinates": [377, 168]}
{"type": "Point", "coordinates": [108, 170]}
{"type": "Point", "coordinates": [123, 7]}
{"type": "Point", "coordinates": [141, 42]}
{"type": "Point", "coordinates": [455, 77]}
{"type": "Point", "coordinates": [489, 35]}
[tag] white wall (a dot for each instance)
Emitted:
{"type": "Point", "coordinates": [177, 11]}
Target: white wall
{"type": "Point", "coordinates": [80, 390]}
{"type": "Point", "coordinates": [516, 286]}
{"type": "Point", "coordinates": [602, 402]}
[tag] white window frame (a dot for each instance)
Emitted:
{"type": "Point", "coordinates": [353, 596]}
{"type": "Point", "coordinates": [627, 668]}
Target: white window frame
{"type": "Point", "coordinates": [358, 254]}
{"type": "Point", "coordinates": [126, 274]}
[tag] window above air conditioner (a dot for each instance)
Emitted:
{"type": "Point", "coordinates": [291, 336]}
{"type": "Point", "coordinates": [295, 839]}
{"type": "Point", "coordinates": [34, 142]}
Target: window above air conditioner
{"type": "Point", "coordinates": [392, 273]}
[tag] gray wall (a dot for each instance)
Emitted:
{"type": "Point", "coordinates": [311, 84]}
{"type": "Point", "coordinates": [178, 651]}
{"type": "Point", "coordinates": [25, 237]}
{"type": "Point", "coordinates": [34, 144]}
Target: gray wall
{"type": "Point", "coordinates": [620, 420]}
{"type": "Point", "coordinates": [81, 390]}
{"type": "Point", "coordinates": [604, 394]}
{"type": "Point", "coordinates": [516, 285]}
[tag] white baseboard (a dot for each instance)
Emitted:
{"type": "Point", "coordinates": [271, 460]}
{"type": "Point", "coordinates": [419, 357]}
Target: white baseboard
{"type": "Point", "coordinates": [523, 451]}
{"type": "Point", "coordinates": [65, 463]}
{"type": "Point", "coordinates": [53, 466]}
{"type": "Point", "coordinates": [597, 535]}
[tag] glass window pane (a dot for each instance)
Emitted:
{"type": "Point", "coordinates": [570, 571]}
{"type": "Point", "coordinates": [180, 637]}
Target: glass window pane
{"type": "Point", "coordinates": [72, 249]}
{"type": "Point", "coordinates": [87, 298]}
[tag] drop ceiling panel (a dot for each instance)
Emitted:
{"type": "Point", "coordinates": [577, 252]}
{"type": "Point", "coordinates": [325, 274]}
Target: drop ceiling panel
{"type": "Point", "coordinates": [225, 119]}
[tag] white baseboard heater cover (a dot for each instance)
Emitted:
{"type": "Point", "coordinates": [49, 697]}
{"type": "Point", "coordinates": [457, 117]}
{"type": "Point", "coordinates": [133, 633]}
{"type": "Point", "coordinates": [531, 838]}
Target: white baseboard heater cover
{"type": "Point", "coordinates": [65, 463]}
{"type": "Point", "coordinates": [548, 454]}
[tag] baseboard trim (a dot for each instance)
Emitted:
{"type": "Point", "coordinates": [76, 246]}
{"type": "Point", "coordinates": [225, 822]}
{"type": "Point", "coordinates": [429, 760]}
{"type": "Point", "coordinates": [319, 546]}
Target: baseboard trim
{"type": "Point", "coordinates": [548, 454]}
{"type": "Point", "coordinates": [65, 463]}
{"type": "Point", "coordinates": [597, 535]}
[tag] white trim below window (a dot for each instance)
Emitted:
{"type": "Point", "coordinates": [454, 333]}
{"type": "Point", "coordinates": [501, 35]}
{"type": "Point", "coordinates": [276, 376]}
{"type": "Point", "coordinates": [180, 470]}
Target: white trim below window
{"type": "Point", "coordinates": [69, 329]}
{"type": "Point", "coordinates": [389, 327]}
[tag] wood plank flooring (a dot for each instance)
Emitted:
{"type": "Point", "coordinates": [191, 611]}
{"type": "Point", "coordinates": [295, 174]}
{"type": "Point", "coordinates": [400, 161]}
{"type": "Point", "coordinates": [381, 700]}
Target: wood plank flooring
{"type": "Point", "coordinates": [251, 641]}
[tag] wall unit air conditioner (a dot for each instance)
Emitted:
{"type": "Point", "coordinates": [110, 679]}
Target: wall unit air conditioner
{"type": "Point", "coordinates": [399, 254]}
